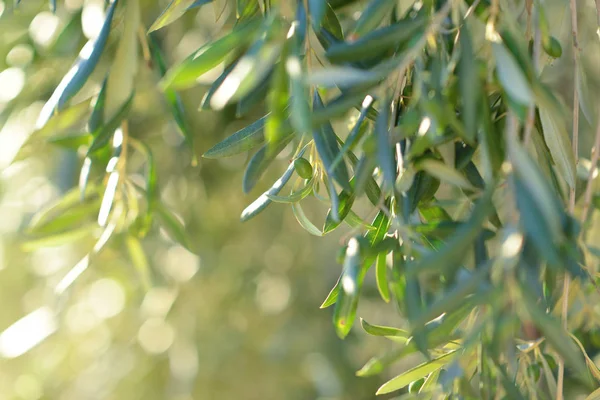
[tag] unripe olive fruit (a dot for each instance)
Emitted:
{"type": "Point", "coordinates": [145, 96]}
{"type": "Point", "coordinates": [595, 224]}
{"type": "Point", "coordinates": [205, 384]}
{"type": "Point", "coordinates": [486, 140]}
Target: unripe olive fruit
{"type": "Point", "coordinates": [303, 168]}
{"type": "Point", "coordinates": [552, 46]}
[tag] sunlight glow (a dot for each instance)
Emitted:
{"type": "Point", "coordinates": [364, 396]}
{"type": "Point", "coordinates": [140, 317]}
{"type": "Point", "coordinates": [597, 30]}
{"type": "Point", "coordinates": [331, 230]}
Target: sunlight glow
{"type": "Point", "coordinates": [92, 18]}
{"type": "Point", "coordinates": [12, 81]}
{"type": "Point", "coordinates": [424, 126]}
{"type": "Point", "coordinates": [27, 332]}
{"type": "Point", "coordinates": [44, 28]}
{"type": "Point", "coordinates": [156, 335]}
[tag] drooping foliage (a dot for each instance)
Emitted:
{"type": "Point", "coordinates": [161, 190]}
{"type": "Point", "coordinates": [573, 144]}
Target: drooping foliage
{"type": "Point", "coordinates": [422, 128]}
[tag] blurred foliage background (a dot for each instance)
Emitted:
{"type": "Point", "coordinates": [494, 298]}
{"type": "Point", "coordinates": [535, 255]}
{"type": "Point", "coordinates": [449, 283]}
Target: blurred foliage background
{"type": "Point", "coordinates": [241, 319]}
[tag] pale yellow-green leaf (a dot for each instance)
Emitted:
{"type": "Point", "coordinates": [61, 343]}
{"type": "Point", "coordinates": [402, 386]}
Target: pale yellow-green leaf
{"type": "Point", "coordinates": [557, 139]}
{"type": "Point", "coordinates": [173, 12]}
{"type": "Point", "coordinates": [417, 372]}
{"type": "Point", "coordinates": [586, 99]}
{"type": "Point", "coordinates": [595, 395]}
{"type": "Point", "coordinates": [122, 73]}
{"type": "Point", "coordinates": [445, 173]}
{"type": "Point", "coordinates": [511, 77]}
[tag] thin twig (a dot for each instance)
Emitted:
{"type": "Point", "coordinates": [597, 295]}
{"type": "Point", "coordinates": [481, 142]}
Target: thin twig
{"type": "Point", "coordinates": [567, 280]}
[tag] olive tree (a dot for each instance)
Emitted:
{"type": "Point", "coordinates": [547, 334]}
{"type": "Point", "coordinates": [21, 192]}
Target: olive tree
{"type": "Point", "coordinates": [425, 129]}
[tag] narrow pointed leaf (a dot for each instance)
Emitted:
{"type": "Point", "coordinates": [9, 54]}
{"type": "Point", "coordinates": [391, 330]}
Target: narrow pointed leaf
{"type": "Point", "coordinates": [174, 11]}
{"type": "Point", "coordinates": [260, 162]}
{"type": "Point", "coordinates": [395, 334]}
{"type": "Point", "coordinates": [381, 277]}
{"type": "Point", "coordinates": [417, 372]}
{"type": "Point", "coordinates": [79, 72]}
{"type": "Point", "coordinates": [264, 200]}
{"type": "Point", "coordinates": [345, 307]}
{"type": "Point", "coordinates": [209, 56]}
{"type": "Point", "coordinates": [557, 139]}
{"type": "Point", "coordinates": [243, 140]}
{"type": "Point", "coordinates": [304, 221]}
{"type": "Point", "coordinates": [511, 76]}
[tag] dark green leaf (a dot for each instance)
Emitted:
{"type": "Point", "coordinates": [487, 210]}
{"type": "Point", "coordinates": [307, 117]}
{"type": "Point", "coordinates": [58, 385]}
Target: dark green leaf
{"type": "Point", "coordinates": [328, 149]}
{"type": "Point", "coordinates": [105, 132]}
{"type": "Point", "coordinates": [243, 140]}
{"type": "Point", "coordinates": [265, 199]}
{"type": "Point", "coordinates": [261, 160]}
{"type": "Point", "coordinates": [372, 16]}
{"type": "Point", "coordinates": [469, 83]}
{"type": "Point", "coordinates": [343, 208]}
{"type": "Point", "coordinates": [375, 42]}
{"type": "Point", "coordinates": [456, 249]}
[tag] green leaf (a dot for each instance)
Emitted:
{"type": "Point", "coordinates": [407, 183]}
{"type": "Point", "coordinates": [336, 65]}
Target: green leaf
{"type": "Point", "coordinates": [456, 249]}
{"type": "Point", "coordinates": [418, 372]}
{"type": "Point", "coordinates": [265, 199]}
{"type": "Point", "coordinates": [468, 83]}
{"type": "Point", "coordinates": [356, 133]}
{"type": "Point", "coordinates": [172, 226]}
{"type": "Point", "coordinates": [243, 140]}
{"type": "Point", "coordinates": [104, 133]}
{"type": "Point", "coordinates": [394, 334]}
{"type": "Point", "coordinates": [58, 124]}
{"type": "Point", "coordinates": [97, 117]}
{"type": "Point", "coordinates": [79, 73]}
{"type": "Point", "coordinates": [278, 97]}
{"type": "Point", "coordinates": [557, 139]}
{"type": "Point", "coordinates": [376, 42]}
{"type": "Point", "coordinates": [317, 10]}
{"type": "Point", "coordinates": [173, 12]}
{"type": "Point", "coordinates": [385, 149]}
{"type": "Point", "coordinates": [261, 160]}
{"type": "Point", "coordinates": [343, 208]}
{"type": "Point", "coordinates": [467, 283]}
{"type": "Point", "coordinates": [252, 68]}
{"type": "Point", "coordinates": [331, 23]}
{"type": "Point", "coordinates": [58, 239]}
{"type": "Point", "coordinates": [120, 83]}
{"type": "Point", "coordinates": [300, 115]}
{"type": "Point", "coordinates": [555, 335]}
{"type": "Point", "coordinates": [511, 76]}
{"type": "Point", "coordinates": [295, 196]}
{"type": "Point", "coordinates": [345, 307]}
{"type": "Point", "coordinates": [64, 212]}
{"type": "Point", "coordinates": [372, 16]}
{"type": "Point", "coordinates": [445, 173]}
{"type": "Point", "coordinates": [343, 77]}
{"type": "Point", "coordinates": [205, 103]}
{"type": "Point", "coordinates": [209, 56]}
{"type": "Point", "coordinates": [538, 188]}
{"type": "Point", "coordinates": [305, 222]}
{"type": "Point", "coordinates": [71, 142]}
{"type": "Point", "coordinates": [381, 277]}
{"type": "Point", "coordinates": [328, 149]}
